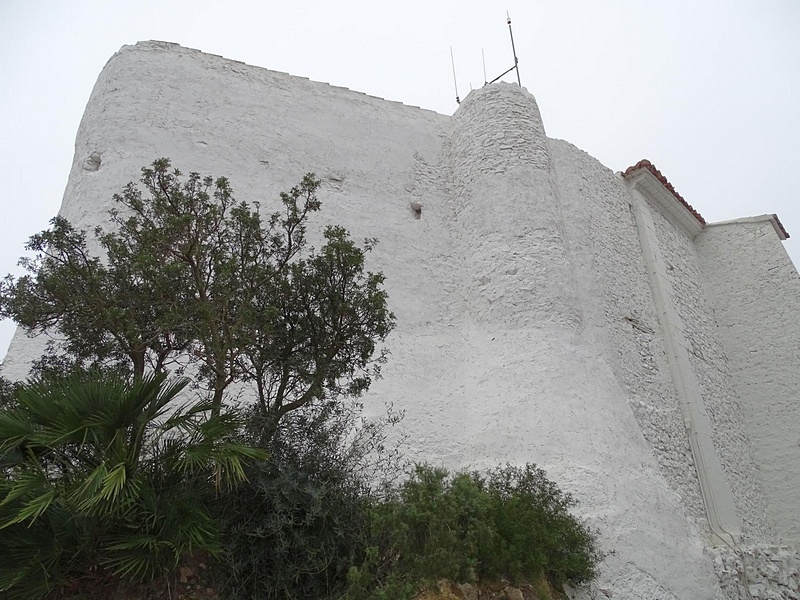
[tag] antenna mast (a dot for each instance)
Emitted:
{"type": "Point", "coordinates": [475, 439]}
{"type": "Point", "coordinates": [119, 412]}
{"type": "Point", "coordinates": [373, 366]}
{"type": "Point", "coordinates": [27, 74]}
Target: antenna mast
{"type": "Point", "coordinates": [455, 84]}
{"type": "Point", "coordinates": [514, 51]}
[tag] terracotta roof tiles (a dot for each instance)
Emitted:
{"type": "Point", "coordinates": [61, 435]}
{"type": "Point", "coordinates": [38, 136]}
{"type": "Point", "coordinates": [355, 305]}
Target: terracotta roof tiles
{"type": "Point", "coordinates": [780, 226]}
{"type": "Point", "coordinates": [646, 164]}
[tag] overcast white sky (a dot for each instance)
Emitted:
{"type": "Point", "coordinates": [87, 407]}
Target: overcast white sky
{"type": "Point", "coordinates": [706, 89]}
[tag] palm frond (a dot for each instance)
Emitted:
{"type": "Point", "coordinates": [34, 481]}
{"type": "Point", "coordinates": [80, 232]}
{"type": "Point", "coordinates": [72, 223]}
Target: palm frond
{"type": "Point", "coordinates": [113, 482]}
{"type": "Point", "coordinates": [100, 464]}
{"type": "Point", "coordinates": [32, 509]}
{"type": "Point", "coordinates": [85, 496]}
{"type": "Point", "coordinates": [141, 556]}
{"type": "Point", "coordinates": [26, 482]}
{"type": "Point", "coordinates": [15, 429]}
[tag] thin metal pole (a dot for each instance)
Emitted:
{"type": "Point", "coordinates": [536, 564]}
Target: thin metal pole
{"type": "Point", "coordinates": [514, 50]}
{"type": "Point", "coordinates": [455, 84]}
{"type": "Point", "coordinates": [502, 75]}
{"type": "Point", "coordinates": [483, 57]}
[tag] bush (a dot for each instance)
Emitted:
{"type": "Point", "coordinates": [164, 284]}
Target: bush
{"type": "Point", "coordinates": [294, 529]}
{"type": "Point", "coordinates": [290, 534]}
{"type": "Point", "coordinates": [535, 530]}
{"type": "Point", "coordinates": [98, 477]}
{"type": "Point", "coordinates": [513, 523]}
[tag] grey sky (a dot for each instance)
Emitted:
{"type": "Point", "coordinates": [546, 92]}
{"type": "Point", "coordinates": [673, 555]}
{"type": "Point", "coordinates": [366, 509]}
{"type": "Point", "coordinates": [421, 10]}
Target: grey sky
{"type": "Point", "coordinates": [707, 90]}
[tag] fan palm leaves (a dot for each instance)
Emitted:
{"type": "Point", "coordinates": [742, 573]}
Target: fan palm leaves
{"type": "Point", "coordinates": [100, 472]}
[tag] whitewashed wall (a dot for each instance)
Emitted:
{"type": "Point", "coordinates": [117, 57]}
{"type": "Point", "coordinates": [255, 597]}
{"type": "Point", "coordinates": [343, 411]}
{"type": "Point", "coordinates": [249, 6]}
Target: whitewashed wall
{"type": "Point", "coordinates": [620, 313]}
{"type": "Point", "coordinates": [755, 294]}
{"type": "Point", "coordinates": [526, 331]}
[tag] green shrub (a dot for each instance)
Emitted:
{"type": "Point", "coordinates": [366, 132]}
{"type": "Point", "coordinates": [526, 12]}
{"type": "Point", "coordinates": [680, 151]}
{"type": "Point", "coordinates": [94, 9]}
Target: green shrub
{"type": "Point", "coordinates": [512, 523]}
{"type": "Point", "coordinates": [534, 530]}
{"type": "Point", "coordinates": [289, 534]}
{"type": "Point", "coordinates": [295, 528]}
{"type": "Point", "coordinates": [98, 475]}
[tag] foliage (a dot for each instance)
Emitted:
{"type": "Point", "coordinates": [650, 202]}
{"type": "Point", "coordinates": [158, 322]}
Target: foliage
{"type": "Point", "coordinates": [8, 390]}
{"type": "Point", "coordinates": [192, 277]}
{"type": "Point", "coordinates": [300, 538]}
{"type": "Point", "coordinates": [296, 526]}
{"type": "Point", "coordinates": [513, 523]}
{"type": "Point", "coordinates": [535, 530]}
{"type": "Point", "coordinates": [98, 476]}
{"type": "Point", "coordinates": [98, 473]}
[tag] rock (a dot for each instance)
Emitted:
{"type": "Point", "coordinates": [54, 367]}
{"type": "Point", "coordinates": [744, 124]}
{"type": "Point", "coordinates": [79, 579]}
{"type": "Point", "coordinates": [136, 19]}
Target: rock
{"type": "Point", "coordinates": [468, 591]}
{"type": "Point", "coordinates": [514, 593]}
{"type": "Point", "coordinates": [496, 586]}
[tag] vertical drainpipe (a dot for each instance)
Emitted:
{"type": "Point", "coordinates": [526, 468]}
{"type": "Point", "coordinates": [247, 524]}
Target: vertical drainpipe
{"type": "Point", "coordinates": [716, 492]}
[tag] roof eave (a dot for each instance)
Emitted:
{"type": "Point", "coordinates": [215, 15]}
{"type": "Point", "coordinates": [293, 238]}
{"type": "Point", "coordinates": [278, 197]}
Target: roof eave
{"type": "Point", "coordinates": [649, 181]}
{"type": "Point", "coordinates": [773, 220]}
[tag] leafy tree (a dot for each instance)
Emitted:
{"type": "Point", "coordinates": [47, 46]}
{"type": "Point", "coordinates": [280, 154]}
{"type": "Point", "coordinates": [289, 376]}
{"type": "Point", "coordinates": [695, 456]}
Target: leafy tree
{"type": "Point", "coordinates": [98, 474]}
{"type": "Point", "coordinates": [192, 278]}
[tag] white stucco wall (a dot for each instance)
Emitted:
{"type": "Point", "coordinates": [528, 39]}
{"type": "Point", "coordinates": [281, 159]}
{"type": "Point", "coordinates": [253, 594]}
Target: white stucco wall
{"type": "Point", "coordinates": [619, 310]}
{"type": "Point", "coordinates": [755, 294]}
{"type": "Point", "coordinates": [264, 130]}
{"type": "Point", "coordinates": [526, 328]}
{"type": "Point", "coordinates": [715, 394]}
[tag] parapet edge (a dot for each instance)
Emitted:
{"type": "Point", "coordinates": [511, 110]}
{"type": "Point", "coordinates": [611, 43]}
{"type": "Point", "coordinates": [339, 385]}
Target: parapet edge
{"type": "Point", "coordinates": [164, 45]}
{"type": "Point", "coordinates": [772, 218]}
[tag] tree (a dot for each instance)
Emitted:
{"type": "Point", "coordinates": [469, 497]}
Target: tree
{"type": "Point", "coordinates": [191, 278]}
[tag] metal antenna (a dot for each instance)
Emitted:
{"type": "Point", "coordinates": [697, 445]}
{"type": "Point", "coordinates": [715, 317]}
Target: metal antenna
{"type": "Point", "coordinates": [455, 83]}
{"type": "Point", "coordinates": [513, 50]}
{"type": "Point", "coordinates": [483, 57]}
{"type": "Point", "coordinates": [516, 61]}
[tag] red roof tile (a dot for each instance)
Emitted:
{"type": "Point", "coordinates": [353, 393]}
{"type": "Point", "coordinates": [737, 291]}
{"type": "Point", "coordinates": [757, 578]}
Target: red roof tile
{"type": "Point", "coordinates": [780, 226]}
{"type": "Point", "coordinates": [646, 164]}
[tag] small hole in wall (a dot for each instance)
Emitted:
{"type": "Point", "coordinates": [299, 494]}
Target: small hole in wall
{"type": "Point", "coordinates": [416, 208]}
{"type": "Point", "coordinates": [92, 163]}
{"type": "Point", "coordinates": [334, 181]}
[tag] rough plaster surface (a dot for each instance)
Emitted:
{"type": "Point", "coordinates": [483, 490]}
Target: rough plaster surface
{"type": "Point", "coordinates": [755, 292]}
{"type": "Point", "coordinates": [619, 310]}
{"type": "Point", "coordinates": [758, 572]}
{"type": "Point", "coordinates": [527, 331]}
{"type": "Point", "coordinates": [710, 368]}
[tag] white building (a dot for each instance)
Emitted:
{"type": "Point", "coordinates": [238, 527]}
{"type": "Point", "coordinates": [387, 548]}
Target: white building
{"type": "Point", "coordinates": [549, 310]}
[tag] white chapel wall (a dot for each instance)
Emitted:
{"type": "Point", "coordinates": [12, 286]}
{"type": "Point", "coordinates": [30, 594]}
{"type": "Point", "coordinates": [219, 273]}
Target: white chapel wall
{"type": "Point", "coordinates": [710, 367]}
{"type": "Point", "coordinates": [620, 311]}
{"type": "Point", "coordinates": [526, 326]}
{"type": "Point", "coordinates": [755, 295]}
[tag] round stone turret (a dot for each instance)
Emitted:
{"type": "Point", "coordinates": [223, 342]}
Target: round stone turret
{"type": "Point", "coordinates": [508, 214]}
